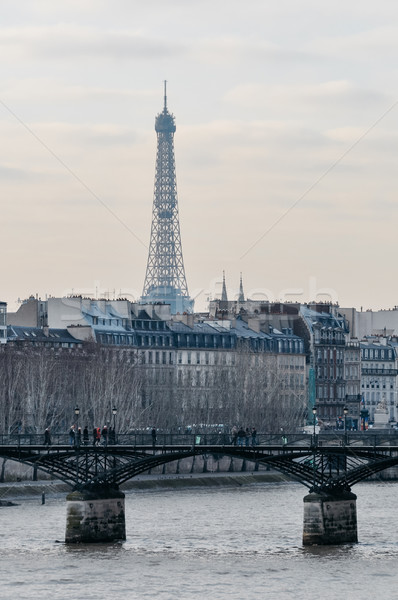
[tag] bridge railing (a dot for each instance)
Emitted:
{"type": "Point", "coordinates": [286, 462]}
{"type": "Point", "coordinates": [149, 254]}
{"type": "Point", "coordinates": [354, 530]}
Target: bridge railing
{"type": "Point", "coordinates": [162, 439]}
{"type": "Point", "coordinates": [388, 437]}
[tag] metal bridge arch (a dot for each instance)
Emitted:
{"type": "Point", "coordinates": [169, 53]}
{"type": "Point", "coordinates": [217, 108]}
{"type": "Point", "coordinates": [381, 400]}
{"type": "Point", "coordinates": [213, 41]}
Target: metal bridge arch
{"type": "Point", "coordinates": [317, 468]}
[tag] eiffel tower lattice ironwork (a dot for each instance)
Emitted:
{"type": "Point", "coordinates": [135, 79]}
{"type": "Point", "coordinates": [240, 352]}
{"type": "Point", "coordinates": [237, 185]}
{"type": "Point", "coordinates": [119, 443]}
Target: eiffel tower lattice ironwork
{"type": "Point", "coordinates": [165, 279]}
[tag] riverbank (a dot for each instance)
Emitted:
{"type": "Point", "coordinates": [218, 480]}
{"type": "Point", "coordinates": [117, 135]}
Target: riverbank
{"type": "Point", "coordinates": [14, 490]}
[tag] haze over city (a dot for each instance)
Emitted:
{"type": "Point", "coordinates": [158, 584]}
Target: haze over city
{"type": "Point", "coordinates": [286, 143]}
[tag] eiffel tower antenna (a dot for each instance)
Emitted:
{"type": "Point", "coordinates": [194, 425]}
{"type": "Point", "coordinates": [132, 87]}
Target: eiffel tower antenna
{"type": "Point", "coordinates": [165, 279]}
{"type": "Point", "coordinates": [165, 96]}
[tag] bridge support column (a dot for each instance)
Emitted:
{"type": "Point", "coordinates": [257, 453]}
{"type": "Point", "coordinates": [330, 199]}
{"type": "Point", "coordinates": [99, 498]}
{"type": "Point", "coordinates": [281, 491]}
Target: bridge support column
{"type": "Point", "coordinates": [330, 518]}
{"type": "Point", "coordinates": [95, 515]}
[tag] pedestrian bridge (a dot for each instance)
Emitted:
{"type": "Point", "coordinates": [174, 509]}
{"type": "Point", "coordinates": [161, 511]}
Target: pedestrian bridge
{"type": "Point", "coordinates": [328, 465]}
{"type": "Point", "coordinates": [318, 467]}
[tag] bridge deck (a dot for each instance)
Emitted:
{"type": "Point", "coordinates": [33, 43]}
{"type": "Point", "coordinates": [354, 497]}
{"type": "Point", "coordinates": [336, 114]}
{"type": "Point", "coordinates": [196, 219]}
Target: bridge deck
{"type": "Point", "coordinates": [324, 466]}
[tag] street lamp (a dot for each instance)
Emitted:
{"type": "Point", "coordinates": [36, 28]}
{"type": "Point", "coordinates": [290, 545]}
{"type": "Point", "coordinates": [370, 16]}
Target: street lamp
{"type": "Point", "coordinates": [345, 411]}
{"type": "Point", "coordinates": [114, 412]}
{"type": "Point", "coordinates": [314, 452]}
{"type": "Point", "coordinates": [77, 413]}
{"type": "Point", "coordinates": [314, 413]}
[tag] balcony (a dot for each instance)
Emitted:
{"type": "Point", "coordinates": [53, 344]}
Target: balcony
{"type": "Point", "coordinates": [379, 371]}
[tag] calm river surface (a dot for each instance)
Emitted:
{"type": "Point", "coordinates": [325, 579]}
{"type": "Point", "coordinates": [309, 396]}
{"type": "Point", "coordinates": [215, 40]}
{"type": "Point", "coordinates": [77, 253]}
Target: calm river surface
{"type": "Point", "coordinates": [232, 544]}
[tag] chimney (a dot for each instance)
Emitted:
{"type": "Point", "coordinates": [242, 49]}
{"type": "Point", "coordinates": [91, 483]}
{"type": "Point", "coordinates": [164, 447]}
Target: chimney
{"type": "Point", "coordinates": [254, 325]}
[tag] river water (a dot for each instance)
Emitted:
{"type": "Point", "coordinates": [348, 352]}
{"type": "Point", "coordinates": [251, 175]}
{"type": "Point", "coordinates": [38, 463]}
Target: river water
{"type": "Point", "coordinates": [218, 544]}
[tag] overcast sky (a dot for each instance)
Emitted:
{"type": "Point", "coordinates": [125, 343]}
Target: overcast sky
{"type": "Point", "coordinates": [286, 145]}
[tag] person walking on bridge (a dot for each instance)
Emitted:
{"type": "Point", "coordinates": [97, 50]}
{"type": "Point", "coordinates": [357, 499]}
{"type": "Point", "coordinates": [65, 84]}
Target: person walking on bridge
{"type": "Point", "coordinates": [241, 436]}
{"type": "Point", "coordinates": [111, 435]}
{"type": "Point", "coordinates": [85, 436]}
{"type": "Point", "coordinates": [234, 433]}
{"type": "Point", "coordinates": [72, 436]}
{"type": "Point", "coordinates": [105, 435]}
{"type": "Point", "coordinates": [254, 436]}
{"type": "Point", "coordinates": [247, 436]}
{"type": "Point", "coordinates": [47, 437]}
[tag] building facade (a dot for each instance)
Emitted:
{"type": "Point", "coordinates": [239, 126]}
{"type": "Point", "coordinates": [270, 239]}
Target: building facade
{"type": "Point", "coordinates": [379, 376]}
{"type": "Point", "coordinates": [364, 323]}
{"type": "Point", "coordinates": [3, 322]}
{"type": "Point", "coordinates": [192, 368]}
{"type": "Point", "coordinates": [352, 377]}
{"type": "Point", "coordinates": [324, 333]}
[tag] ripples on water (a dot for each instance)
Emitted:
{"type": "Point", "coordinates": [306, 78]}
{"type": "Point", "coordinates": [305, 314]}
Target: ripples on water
{"type": "Point", "coordinates": [230, 544]}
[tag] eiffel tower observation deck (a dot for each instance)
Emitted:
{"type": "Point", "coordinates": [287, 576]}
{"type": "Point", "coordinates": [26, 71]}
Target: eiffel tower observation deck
{"type": "Point", "coordinates": [165, 280]}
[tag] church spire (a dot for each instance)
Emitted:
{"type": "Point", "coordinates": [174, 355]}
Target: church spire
{"type": "Point", "coordinates": [241, 297]}
{"type": "Point", "coordinates": [224, 297]}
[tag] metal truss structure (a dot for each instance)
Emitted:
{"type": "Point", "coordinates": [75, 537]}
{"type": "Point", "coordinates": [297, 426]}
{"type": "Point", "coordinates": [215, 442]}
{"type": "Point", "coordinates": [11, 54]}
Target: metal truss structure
{"type": "Point", "coordinates": [165, 279]}
{"type": "Point", "coordinates": [323, 469]}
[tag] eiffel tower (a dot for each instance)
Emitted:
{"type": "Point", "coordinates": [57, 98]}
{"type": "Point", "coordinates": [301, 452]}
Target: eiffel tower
{"type": "Point", "coordinates": [165, 280]}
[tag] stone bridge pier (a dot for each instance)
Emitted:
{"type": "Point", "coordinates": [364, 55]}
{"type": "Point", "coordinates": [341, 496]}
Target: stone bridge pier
{"type": "Point", "coordinates": [95, 514]}
{"type": "Point", "coordinates": [330, 518]}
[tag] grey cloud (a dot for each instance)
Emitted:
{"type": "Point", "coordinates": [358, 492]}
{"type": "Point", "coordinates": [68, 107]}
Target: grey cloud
{"type": "Point", "coordinates": [72, 42]}
{"type": "Point", "coordinates": [304, 96]}
{"type": "Point", "coordinates": [17, 175]}
{"type": "Point", "coordinates": [371, 43]}
{"type": "Point", "coordinates": [111, 138]}
{"type": "Point", "coordinates": [71, 134]}
{"type": "Point", "coordinates": [231, 49]}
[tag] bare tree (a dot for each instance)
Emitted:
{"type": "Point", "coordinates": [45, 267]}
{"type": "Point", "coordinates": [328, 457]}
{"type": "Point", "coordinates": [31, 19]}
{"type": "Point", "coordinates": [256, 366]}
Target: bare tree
{"type": "Point", "coordinates": [43, 385]}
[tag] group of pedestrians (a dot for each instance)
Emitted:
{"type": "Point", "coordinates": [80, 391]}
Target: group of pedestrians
{"type": "Point", "coordinates": [101, 437]}
{"type": "Point", "coordinates": [243, 437]}
{"type": "Point", "coordinates": [77, 437]}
